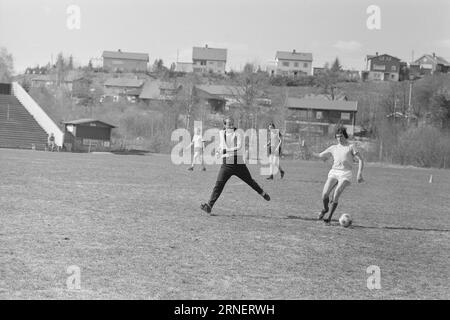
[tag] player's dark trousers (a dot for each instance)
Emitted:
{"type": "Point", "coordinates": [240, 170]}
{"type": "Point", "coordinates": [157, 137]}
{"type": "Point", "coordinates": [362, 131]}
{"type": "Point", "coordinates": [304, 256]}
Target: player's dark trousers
{"type": "Point", "coordinates": [225, 173]}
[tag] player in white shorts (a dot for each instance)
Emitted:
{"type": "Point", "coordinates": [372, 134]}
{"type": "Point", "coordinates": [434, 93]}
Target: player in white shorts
{"type": "Point", "coordinates": [340, 175]}
{"type": "Point", "coordinates": [274, 148]}
{"type": "Point", "coordinates": [197, 141]}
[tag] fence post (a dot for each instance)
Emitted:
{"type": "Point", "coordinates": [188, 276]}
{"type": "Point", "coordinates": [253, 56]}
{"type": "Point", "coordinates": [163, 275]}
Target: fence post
{"type": "Point", "coordinates": [381, 151]}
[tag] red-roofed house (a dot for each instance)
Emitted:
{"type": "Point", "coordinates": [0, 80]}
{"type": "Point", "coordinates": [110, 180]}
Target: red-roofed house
{"type": "Point", "coordinates": [114, 61]}
{"type": "Point", "coordinates": [209, 59]}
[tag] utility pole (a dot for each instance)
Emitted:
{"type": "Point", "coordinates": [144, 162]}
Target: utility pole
{"type": "Point", "coordinates": [409, 103]}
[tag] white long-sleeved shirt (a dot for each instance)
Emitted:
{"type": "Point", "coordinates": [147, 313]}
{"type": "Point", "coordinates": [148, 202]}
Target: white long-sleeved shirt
{"type": "Point", "coordinates": [230, 143]}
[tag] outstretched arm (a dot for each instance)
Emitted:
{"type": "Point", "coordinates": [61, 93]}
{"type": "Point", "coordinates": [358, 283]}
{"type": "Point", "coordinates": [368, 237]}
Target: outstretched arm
{"type": "Point", "coordinates": [323, 155]}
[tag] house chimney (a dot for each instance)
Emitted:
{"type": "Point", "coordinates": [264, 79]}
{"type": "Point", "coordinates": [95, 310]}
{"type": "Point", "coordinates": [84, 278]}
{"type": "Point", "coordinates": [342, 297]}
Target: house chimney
{"type": "Point", "coordinates": [293, 51]}
{"type": "Point", "coordinates": [376, 53]}
{"type": "Point", "coordinates": [119, 50]}
{"type": "Point", "coordinates": [434, 55]}
{"type": "Point", "coordinates": [206, 46]}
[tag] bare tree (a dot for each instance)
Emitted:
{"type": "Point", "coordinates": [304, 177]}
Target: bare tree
{"type": "Point", "coordinates": [6, 65]}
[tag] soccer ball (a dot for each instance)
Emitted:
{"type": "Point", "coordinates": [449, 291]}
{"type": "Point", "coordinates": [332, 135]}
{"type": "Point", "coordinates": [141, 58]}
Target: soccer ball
{"type": "Point", "coordinates": [345, 220]}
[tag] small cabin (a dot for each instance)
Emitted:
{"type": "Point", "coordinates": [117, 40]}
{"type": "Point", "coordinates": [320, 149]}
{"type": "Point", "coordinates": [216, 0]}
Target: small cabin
{"type": "Point", "coordinates": [87, 135]}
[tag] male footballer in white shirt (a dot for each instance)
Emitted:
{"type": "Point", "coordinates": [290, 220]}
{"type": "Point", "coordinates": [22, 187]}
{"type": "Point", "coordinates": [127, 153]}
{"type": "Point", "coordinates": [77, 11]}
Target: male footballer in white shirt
{"type": "Point", "coordinates": [340, 175]}
{"type": "Point", "coordinates": [232, 164]}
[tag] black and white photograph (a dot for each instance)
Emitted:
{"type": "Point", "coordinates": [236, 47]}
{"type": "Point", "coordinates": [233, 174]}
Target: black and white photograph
{"type": "Point", "coordinates": [224, 150]}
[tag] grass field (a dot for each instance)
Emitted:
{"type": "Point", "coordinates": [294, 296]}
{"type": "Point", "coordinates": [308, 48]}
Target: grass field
{"type": "Point", "coordinates": [133, 226]}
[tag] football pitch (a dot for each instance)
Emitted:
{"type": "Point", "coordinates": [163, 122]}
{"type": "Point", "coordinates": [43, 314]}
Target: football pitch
{"type": "Point", "coordinates": [133, 228]}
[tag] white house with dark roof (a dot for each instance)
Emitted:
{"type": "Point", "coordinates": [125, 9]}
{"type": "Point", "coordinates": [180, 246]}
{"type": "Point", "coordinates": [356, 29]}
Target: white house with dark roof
{"type": "Point", "coordinates": [114, 61]}
{"type": "Point", "coordinates": [293, 63]}
{"type": "Point", "coordinates": [205, 59]}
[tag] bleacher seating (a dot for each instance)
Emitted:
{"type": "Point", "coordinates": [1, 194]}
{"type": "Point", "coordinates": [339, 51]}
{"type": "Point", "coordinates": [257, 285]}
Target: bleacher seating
{"type": "Point", "coordinates": [18, 128]}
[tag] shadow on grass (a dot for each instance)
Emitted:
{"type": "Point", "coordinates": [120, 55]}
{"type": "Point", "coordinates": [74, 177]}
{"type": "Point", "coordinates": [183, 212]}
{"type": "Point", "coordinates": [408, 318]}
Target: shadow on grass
{"type": "Point", "coordinates": [132, 152]}
{"type": "Point", "coordinates": [334, 222]}
{"type": "Point", "coordinates": [355, 226]}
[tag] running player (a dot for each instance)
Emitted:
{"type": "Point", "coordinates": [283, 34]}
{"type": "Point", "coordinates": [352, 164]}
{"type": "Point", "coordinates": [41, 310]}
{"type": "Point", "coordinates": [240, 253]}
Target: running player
{"type": "Point", "coordinates": [340, 175]}
{"type": "Point", "coordinates": [197, 141]}
{"type": "Point", "coordinates": [232, 164]}
{"type": "Point", "coordinates": [275, 152]}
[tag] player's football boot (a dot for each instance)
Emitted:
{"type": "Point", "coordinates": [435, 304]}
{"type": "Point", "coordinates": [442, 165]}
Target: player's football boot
{"type": "Point", "coordinates": [266, 196]}
{"type": "Point", "coordinates": [321, 214]}
{"type": "Point", "coordinates": [205, 207]}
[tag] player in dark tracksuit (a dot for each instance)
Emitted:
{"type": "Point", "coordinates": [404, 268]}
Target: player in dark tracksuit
{"type": "Point", "coordinates": [232, 165]}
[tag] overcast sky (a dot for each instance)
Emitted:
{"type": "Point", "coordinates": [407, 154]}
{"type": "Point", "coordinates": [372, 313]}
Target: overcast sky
{"type": "Point", "coordinates": [251, 30]}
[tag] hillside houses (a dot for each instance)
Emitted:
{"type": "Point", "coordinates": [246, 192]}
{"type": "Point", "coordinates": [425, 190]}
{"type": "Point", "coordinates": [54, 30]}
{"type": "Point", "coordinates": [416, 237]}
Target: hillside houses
{"type": "Point", "coordinates": [68, 80]}
{"type": "Point", "coordinates": [157, 90]}
{"type": "Point", "coordinates": [123, 87]}
{"type": "Point", "coordinates": [382, 67]}
{"type": "Point", "coordinates": [429, 64]}
{"type": "Point", "coordinates": [206, 59]}
{"type": "Point", "coordinates": [292, 64]}
{"type": "Point", "coordinates": [118, 61]}
{"type": "Point", "coordinates": [318, 116]}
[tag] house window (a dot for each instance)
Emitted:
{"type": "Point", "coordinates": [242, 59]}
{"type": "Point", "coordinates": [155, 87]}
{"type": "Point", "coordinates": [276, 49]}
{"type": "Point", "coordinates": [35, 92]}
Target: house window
{"type": "Point", "coordinates": [210, 62]}
{"type": "Point", "coordinates": [219, 64]}
{"type": "Point", "coordinates": [394, 68]}
{"type": "Point", "coordinates": [285, 63]}
{"type": "Point", "coordinates": [303, 114]}
{"type": "Point", "coordinates": [305, 65]}
{"type": "Point", "coordinates": [345, 116]}
{"type": "Point", "coordinates": [296, 64]}
{"type": "Point", "coordinates": [203, 63]}
{"type": "Point", "coordinates": [319, 115]}
{"type": "Point", "coordinates": [379, 67]}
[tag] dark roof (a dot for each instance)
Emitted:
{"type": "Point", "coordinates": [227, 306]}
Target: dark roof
{"type": "Point", "coordinates": [221, 90]}
{"type": "Point", "coordinates": [205, 53]}
{"type": "Point", "coordinates": [291, 55]}
{"type": "Point", "coordinates": [124, 82]}
{"type": "Point", "coordinates": [436, 59]}
{"type": "Point", "coordinates": [86, 121]}
{"type": "Point", "coordinates": [125, 55]}
{"type": "Point", "coordinates": [322, 104]}
{"type": "Point", "coordinates": [369, 57]}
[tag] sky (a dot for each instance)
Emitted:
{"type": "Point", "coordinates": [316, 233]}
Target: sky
{"type": "Point", "coordinates": [35, 31]}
